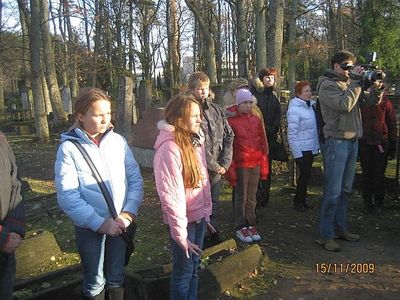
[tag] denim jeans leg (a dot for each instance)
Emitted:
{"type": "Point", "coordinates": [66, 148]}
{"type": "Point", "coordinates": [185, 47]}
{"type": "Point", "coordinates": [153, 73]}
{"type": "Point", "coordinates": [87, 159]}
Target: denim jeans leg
{"type": "Point", "coordinates": [184, 278]}
{"type": "Point", "coordinates": [115, 260]}
{"type": "Point", "coordinates": [335, 159]}
{"type": "Point", "coordinates": [347, 184]}
{"type": "Point", "coordinates": [198, 238]}
{"type": "Point", "coordinates": [7, 276]}
{"type": "Point", "coordinates": [91, 250]}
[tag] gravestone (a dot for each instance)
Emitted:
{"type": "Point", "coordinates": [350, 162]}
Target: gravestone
{"type": "Point", "coordinates": [38, 250]}
{"type": "Point", "coordinates": [66, 99]}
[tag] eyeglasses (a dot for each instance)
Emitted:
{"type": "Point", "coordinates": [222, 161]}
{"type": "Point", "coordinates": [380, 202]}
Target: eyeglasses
{"type": "Point", "coordinates": [346, 66]}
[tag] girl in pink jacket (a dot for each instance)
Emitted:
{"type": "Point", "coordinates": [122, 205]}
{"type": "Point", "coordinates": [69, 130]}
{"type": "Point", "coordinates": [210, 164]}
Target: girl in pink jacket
{"type": "Point", "coordinates": [182, 183]}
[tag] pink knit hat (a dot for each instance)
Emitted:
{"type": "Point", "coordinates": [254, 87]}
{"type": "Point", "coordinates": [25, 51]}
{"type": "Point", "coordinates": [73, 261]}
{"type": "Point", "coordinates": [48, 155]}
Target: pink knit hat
{"type": "Point", "coordinates": [243, 95]}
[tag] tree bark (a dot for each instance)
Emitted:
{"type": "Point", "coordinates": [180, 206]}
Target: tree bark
{"type": "Point", "coordinates": [42, 127]}
{"type": "Point", "coordinates": [73, 63]}
{"type": "Point", "coordinates": [2, 107]}
{"type": "Point", "coordinates": [209, 49]}
{"type": "Point", "coordinates": [261, 41]}
{"type": "Point", "coordinates": [292, 46]}
{"type": "Point", "coordinates": [275, 34]}
{"type": "Point", "coordinates": [242, 39]}
{"type": "Point", "coordinates": [59, 114]}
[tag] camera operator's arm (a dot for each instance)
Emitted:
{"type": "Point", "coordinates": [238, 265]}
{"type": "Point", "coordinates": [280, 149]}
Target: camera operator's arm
{"type": "Point", "coordinates": [331, 95]}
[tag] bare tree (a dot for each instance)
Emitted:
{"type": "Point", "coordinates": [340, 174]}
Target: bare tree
{"type": "Point", "coordinates": [42, 127]}
{"type": "Point", "coordinates": [209, 49]}
{"type": "Point", "coordinates": [292, 46]}
{"type": "Point", "coordinates": [275, 35]}
{"type": "Point", "coordinates": [2, 107]}
{"type": "Point", "coordinates": [261, 41]}
{"type": "Point", "coordinates": [60, 116]}
{"type": "Point", "coordinates": [173, 34]}
{"type": "Point", "coordinates": [242, 38]}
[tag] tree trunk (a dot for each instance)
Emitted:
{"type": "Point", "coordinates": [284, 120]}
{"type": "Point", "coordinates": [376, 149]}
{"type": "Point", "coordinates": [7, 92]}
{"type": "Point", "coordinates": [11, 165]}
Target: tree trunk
{"type": "Point", "coordinates": [2, 106]}
{"type": "Point", "coordinates": [175, 57]}
{"type": "Point", "coordinates": [73, 64]}
{"type": "Point", "coordinates": [46, 93]}
{"type": "Point", "coordinates": [261, 41]}
{"type": "Point", "coordinates": [25, 21]}
{"type": "Point", "coordinates": [42, 127]}
{"type": "Point", "coordinates": [59, 114]}
{"type": "Point", "coordinates": [275, 34]}
{"type": "Point", "coordinates": [292, 47]}
{"type": "Point", "coordinates": [241, 38]}
{"type": "Point", "coordinates": [209, 49]}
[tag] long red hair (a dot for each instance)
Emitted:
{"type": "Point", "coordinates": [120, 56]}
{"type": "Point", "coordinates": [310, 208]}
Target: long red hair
{"type": "Point", "coordinates": [177, 113]}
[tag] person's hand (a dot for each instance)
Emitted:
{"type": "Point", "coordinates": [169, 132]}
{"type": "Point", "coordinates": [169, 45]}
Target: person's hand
{"type": "Point", "coordinates": [221, 170]}
{"type": "Point", "coordinates": [211, 228]}
{"type": "Point", "coordinates": [123, 222]}
{"type": "Point", "coordinates": [189, 248]}
{"type": "Point", "coordinates": [111, 227]}
{"type": "Point", "coordinates": [13, 243]}
{"type": "Point", "coordinates": [125, 219]}
{"type": "Point", "coordinates": [355, 73]}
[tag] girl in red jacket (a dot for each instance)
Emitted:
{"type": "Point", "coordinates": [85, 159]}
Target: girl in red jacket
{"type": "Point", "coordinates": [250, 162]}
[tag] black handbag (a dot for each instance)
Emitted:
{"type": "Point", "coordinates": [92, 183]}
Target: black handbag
{"type": "Point", "coordinates": [130, 232]}
{"type": "Point", "coordinates": [278, 150]}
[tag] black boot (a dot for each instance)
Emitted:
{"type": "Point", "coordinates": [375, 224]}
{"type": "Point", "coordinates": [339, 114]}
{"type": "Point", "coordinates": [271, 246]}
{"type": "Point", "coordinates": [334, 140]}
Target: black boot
{"type": "Point", "coordinates": [100, 296]}
{"type": "Point", "coordinates": [368, 205]}
{"type": "Point", "coordinates": [116, 293]}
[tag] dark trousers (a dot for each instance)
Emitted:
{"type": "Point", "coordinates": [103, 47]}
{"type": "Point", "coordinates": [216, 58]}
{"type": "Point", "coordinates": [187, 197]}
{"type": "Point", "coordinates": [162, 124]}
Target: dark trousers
{"type": "Point", "coordinates": [373, 164]}
{"type": "Point", "coordinates": [7, 275]}
{"type": "Point", "coordinates": [304, 165]}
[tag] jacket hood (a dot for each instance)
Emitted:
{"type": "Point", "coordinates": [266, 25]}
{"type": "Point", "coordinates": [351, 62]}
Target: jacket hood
{"type": "Point", "coordinates": [167, 134]}
{"type": "Point", "coordinates": [77, 133]}
{"type": "Point", "coordinates": [330, 75]}
{"type": "Point", "coordinates": [257, 84]}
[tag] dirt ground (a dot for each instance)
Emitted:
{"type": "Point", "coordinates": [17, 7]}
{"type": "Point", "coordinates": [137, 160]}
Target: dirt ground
{"type": "Point", "coordinates": [298, 268]}
{"type": "Point", "coordinates": [302, 269]}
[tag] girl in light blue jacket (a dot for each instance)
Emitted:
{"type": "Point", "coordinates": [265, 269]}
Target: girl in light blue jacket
{"type": "Point", "coordinates": [98, 235]}
{"type": "Point", "coordinates": [303, 139]}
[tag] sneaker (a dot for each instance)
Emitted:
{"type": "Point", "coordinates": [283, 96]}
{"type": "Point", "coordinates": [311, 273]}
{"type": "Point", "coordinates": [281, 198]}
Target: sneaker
{"type": "Point", "coordinates": [244, 235]}
{"type": "Point", "coordinates": [254, 233]}
{"type": "Point", "coordinates": [329, 244]}
{"type": "Point", "coordinates": [347, 236]}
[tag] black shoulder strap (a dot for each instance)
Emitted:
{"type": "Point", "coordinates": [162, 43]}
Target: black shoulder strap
{"type": "Point", "coordinates": [98, 178]}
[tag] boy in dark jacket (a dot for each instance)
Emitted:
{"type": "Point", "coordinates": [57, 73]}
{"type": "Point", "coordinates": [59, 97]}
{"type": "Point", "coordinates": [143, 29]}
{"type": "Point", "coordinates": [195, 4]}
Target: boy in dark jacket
{"type": "Point", "coordinates": [377, 145]}
{"type": "Point", "coordinates": [12, 218]}
{"type": "Point", "coordinates": [218, 139]}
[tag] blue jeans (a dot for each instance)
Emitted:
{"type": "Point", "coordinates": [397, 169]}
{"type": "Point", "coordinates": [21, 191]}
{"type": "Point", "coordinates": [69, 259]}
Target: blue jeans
{"type": "Point", "coordinates": [102, 259]}
{"type": "Point", "coordinates": [184, 278]}
{"type": "Point", "coordinates": [7, 275]}
{"type": "Point", "coordinates": [339, 168]}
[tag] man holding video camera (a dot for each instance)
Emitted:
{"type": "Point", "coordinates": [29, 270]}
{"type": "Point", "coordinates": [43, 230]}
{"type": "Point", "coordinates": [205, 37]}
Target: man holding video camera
{"type": "Point", "coordinates": [339, 91]}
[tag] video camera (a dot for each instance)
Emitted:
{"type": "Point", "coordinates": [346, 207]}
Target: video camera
{"type": "Point", "coordinates": [371, 72]}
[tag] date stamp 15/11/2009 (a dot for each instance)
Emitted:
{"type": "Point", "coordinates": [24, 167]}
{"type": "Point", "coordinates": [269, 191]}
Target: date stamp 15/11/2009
{"type": "Point", "coordinates": [345, 268]}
